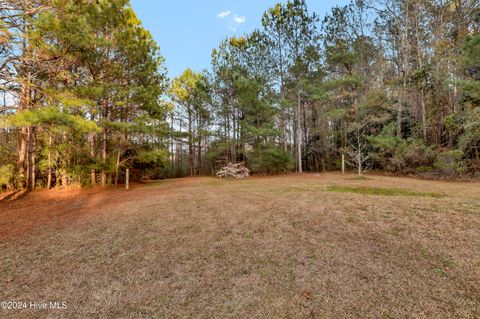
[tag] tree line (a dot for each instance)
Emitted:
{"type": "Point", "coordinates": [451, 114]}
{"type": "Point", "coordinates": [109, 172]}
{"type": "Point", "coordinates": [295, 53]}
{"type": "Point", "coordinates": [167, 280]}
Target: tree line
{"type": "Point", "coordinates": [82, 84]}
{"type": "Point", "coordinates": [386, 84]}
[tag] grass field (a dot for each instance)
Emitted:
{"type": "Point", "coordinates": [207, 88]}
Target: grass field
{"type": "Point", "coordinates": [297, 246]}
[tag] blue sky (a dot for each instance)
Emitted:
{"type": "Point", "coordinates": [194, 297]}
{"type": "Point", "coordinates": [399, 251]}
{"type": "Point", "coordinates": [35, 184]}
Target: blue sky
{"type": "Point", "coordinates": [188, 30]}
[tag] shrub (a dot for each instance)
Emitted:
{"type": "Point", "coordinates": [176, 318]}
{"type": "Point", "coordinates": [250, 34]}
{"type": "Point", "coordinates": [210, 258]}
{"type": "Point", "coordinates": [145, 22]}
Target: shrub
{"type": "Point", "coordinates": [152, 164]}
{"type": "Point", "coordinates": [394, 154]}
{"type": "Point", "coordinates": [384, 150]}
{"type": "Point", "coordinates": [470, 141]}
{"type": "Point", "coordinates": [6, 176]}
{"type": "Point", "coordinates": [450, 163]}
{"type": "Point", "coordinates": [418, 154]}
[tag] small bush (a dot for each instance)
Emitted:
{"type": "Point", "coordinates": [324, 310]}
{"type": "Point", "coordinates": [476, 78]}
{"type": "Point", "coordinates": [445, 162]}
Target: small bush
{"type": "Point", "coordinates": [450, 163]}
{"type": "Point", "coordinates": [418, 154]}
{"type": "Point", "coordinates": [470, 141]}
{"type": "Point", "coordinates": [6, 176]}
{"type": "Point", "coordinates": [403, 156]}
{"type": "Point", "coordinates": [385, 148]}
{"type": "Point", "coordinates": [152, 164]}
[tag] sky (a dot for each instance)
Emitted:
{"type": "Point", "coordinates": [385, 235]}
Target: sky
{"type": "Point", "coordinates": [188, 30]}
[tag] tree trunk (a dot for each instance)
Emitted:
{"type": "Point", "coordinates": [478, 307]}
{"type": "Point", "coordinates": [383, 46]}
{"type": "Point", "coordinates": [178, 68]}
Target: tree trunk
{"type": "Point", "coordinates": [233, 144]}
{"type": "Point", "coordinates": [22, 155]}
{"type": "Point", "coordinates": [31, 158]}
{"type": "Point", "coordinates": [190, 144]}
{"type": "Point", "coordinates": [104, 144]}
{"type": "Point", "coordinates": [359, 160]}
{"type": "Point", "coordinates": [199, 155]}
{"type": "Point", "coordinates": [172, 143]}
{"type": "Point", "coordinates": [424, 116]}
{"type": "Point", "coordinates": [405, 70]}
{"type": "Point", "coordinates": [283, 130]}
{"type": "Point", "coordinates": [305, 135]}
{"type": "Point", "coordinates": [49, 158]}
{"type": "Point", "coordinates": [117, 167]}
{"type": "Point", "coordinates": [93, 175]}
{"type": "Point", "coordinates": [299, 133]}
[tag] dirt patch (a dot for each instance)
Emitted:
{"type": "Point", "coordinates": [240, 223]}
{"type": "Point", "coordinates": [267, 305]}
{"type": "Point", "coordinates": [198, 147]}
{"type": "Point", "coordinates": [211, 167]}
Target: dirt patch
{"type": "Point", "coordinates": [58, 208]}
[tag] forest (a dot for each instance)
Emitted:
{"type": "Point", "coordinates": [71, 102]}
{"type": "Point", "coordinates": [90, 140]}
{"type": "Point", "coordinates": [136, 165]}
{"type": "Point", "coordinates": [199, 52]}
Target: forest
{"type": "Point", "coordinates": [123, 182]}
{"type": "Point", "coordinates": [389, 85]}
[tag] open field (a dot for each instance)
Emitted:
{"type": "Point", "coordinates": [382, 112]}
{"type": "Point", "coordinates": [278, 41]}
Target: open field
{"type": "Point", "coordinates": [297, 246]}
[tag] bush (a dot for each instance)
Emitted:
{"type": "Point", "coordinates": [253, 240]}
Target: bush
{"type": "Point", "coordinates": [450, 163]}
{"type": "Point", "coordinates": [6, 176]}
{"type": "Point", "coordinates": [271, 160]}
{"type": "Point", "coordinates": [384, 150]}
{"type": "Point", "coordinates": [396, 155]}
{"type": "Point", "coordinates": [152, 164]}
{"type": "Point", "coordinates": [470, 141]}
{"type": "Point", "coordinates": [416, 154]}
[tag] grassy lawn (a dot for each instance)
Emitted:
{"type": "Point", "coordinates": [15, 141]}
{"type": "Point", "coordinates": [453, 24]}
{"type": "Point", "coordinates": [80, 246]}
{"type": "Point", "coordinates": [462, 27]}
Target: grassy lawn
{"type": "Point", "coordinates": [297, 246]}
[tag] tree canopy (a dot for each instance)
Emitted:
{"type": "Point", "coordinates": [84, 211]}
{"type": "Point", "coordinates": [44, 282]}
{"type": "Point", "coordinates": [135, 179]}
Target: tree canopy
{"type": "Point", "coordinates": [391, 85]}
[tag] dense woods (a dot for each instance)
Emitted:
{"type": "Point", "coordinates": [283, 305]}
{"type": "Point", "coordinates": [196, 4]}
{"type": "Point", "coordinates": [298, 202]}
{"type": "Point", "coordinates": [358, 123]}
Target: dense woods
{"type": "Point", "coordinates": [389, 84]}
{"type": "Point", "coordinates": [82, 83]}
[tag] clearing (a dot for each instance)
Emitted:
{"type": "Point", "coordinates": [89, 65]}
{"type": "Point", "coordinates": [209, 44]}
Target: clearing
{"type": "Point", "coordinates": [295, 246]}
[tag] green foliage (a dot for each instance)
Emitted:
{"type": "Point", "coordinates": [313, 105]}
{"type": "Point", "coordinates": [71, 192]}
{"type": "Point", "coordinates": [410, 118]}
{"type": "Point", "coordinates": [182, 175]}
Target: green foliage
{"type": "Point", "coordinates": [415, 153]}
{"type": "Point", "coordinates": [398, 155]}
{"type": "Point", "coordinates": [93, 95]}
{"type": "Point", "coordinates": [185, 87]}
{"type": "Point", "coordinates": [152, 164]}
{"type": "Point", "coordinates": [469, 142]}
{"type": "Point", "coordinates": [470, 50]}
{"type": "Point", "coordinates": [471, 62]}
{"type": "Point", "coordinates": [385, 149]}
{"type": "Point", "coordinates": [6, 175]}
{"type": "Point", "coordinates": [450, 163]}
{"type": "Point", "coordinates": [271, 160]}
{"type": "Point", "coordinates": [96, 70]}
{"type": "Point", "coordinates": [157, 157]}
{"type": "Point", "coordinates": [52, 117]}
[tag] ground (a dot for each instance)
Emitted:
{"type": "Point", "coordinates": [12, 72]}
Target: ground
{"type": "Point", "coordinates": [296, 246]}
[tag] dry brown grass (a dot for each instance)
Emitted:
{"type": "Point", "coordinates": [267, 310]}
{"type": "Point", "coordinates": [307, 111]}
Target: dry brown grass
{"type": "Point", "coordinates": [279, 247]}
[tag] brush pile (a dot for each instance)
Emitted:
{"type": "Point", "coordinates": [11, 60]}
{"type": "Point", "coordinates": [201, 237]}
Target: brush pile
{"type": "Point", "coordinates": [237, 171]}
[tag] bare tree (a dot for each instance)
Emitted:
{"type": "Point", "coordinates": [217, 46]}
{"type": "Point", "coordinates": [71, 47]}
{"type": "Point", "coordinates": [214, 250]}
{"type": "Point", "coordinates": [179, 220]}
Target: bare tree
{"type": "Point", "coordinates": [357, 154]}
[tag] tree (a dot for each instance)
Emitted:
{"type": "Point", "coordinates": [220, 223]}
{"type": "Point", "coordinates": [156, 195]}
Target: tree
{"type": "Point", "coordinates": [470, 60]}
{"type": "Point", "coordinates": [85, 93]}
{"type": "Point", "coordinates": [189, 91]}
{"type": "Point", "coordinates": [302, 41]}
{"type": "Point", "coordinates": [72, 68]}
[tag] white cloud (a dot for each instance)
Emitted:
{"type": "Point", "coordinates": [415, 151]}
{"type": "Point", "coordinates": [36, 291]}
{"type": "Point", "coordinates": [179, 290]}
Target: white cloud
{"type": "Point", "coordinates": [239, 19]}
{"type": "Point", "coordinates": [224, 14]}
{"type": "Point", "coordinates": [236, 22]}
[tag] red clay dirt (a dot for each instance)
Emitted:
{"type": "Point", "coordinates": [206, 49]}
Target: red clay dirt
{"type": "Point", "coordinates": [58, 208]}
